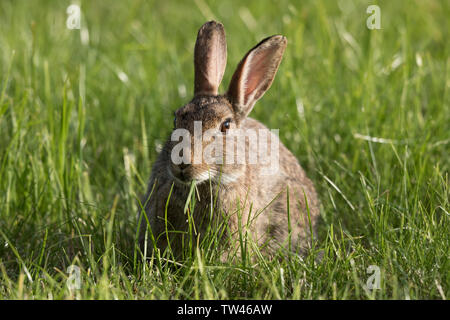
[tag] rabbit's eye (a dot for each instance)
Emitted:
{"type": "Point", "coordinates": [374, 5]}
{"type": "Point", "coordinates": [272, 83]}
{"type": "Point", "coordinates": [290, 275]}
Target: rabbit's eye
{"type": "Point", "coordinates": [225, 125]}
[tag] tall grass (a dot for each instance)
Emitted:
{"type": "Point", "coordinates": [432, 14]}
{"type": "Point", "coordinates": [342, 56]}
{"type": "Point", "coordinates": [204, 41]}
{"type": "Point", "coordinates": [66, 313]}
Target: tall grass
{"type": "Point", "coordinates": [84, 112]}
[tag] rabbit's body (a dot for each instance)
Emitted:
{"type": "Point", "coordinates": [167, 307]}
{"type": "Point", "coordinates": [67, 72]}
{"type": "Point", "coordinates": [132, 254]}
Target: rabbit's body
{"type": "Point", "coordinates": [229, 191]}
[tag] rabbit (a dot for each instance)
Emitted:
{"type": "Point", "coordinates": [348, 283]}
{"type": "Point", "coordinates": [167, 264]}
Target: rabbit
{"type": "Point", "coordinates": [240, 193]}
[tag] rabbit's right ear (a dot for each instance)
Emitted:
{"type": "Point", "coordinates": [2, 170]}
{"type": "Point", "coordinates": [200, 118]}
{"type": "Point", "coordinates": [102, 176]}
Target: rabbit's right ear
{"type": "Point", "coordinates": [210, 58]}
{"type": "Point", "coordinates": [255, 74]}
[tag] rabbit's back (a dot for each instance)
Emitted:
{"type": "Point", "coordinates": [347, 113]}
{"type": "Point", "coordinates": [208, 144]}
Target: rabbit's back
{"type": "Point", "coordinates": [267, 194]}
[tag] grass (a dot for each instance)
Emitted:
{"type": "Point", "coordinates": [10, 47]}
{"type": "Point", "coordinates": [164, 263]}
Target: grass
{"type": "Point", "coordinates": [83, 113]}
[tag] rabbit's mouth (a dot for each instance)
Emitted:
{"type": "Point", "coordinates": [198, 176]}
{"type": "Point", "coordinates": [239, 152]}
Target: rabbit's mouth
{"type": "Point", "coordinates": [184, 178]}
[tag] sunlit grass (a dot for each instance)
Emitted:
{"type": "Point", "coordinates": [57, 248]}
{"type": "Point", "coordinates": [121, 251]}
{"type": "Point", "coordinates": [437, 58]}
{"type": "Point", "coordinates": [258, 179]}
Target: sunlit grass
{"type": "Point", "coordinates": [84, 112]}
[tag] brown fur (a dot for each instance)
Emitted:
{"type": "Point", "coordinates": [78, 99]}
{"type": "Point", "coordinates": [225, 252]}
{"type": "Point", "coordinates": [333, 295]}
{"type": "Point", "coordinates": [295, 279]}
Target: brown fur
{"type": "Point", "coordinates": [239, 187]}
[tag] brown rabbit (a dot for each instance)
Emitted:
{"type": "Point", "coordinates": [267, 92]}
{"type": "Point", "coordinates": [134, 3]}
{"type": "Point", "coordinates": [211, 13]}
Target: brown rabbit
{"type": "Point", "coordinates": [242, 193]}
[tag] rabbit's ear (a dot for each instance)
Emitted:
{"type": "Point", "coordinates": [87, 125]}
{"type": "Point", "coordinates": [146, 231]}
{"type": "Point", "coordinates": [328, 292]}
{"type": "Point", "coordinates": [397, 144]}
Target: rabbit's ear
{"type": "Point", "coordinates": [255, 74]}
{"type": "Point", "coordinates": [210, 58]}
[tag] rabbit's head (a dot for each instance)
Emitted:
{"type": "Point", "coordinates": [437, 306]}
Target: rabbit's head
{"type": "Point", "coordinates": [212, 117]}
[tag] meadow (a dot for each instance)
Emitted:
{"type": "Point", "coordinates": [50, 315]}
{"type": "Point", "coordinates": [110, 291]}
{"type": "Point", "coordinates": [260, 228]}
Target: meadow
{"type": "Point", "coordinates": [83, 113]}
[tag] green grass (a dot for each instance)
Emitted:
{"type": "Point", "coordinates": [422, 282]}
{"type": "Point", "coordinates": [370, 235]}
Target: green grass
{"type": "Point", "coordinates": [82, 113]}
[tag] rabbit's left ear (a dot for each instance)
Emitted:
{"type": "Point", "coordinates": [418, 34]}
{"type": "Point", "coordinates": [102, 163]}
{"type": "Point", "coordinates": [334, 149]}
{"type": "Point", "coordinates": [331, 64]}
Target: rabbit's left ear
{"type": "Point", "coordinates": [210, 58]}
{"type": "Point", "coordinates": [255, 73]}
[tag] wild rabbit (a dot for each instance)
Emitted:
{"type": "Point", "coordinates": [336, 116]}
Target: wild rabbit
{"type": "Point", "coordinates": [230, 190]}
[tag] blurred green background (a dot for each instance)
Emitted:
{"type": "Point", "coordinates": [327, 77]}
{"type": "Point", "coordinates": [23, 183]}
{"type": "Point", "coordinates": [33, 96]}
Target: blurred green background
{"type": "Point", "coordinates": [84, 112]}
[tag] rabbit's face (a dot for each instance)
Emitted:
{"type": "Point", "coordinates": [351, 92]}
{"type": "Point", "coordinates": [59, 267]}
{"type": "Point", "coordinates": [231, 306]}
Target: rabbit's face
{"type": "Point", "coordinates": [204, 144]}
{"type": "Point", "coordinates": [200, 139]}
